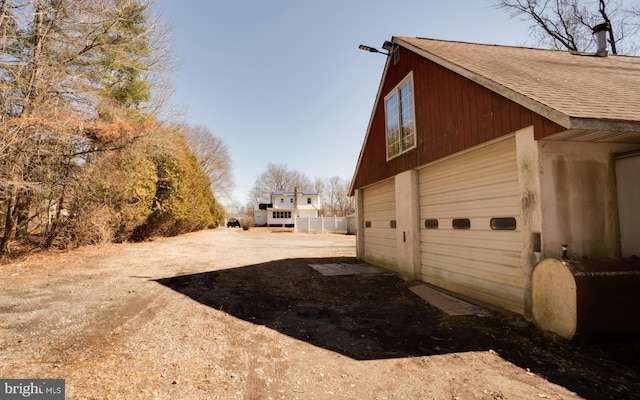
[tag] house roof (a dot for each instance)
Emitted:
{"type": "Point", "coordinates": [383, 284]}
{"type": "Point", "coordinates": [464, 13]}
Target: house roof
{"type": "Point", "coordinates": [578, 91]}
{"type": "Point", "coordinates": [291, 193]}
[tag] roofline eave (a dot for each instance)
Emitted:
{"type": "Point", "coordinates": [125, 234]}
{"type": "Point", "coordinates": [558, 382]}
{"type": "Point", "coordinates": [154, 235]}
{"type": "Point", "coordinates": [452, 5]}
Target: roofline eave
{"type": "Point", "coordinates": [602, 124]}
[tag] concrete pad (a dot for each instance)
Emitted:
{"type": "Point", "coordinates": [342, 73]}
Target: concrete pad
{"type": "Point", "coordinates": [346, 269]}
{"type": "Point", "coordinates": [446, 303]}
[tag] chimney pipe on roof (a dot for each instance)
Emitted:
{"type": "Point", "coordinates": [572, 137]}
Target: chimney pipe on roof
{"type": "Point", "coordinates": [601, 38]}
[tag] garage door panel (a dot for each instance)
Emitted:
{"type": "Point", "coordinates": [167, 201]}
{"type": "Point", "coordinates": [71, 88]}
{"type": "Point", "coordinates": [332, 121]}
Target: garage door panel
{"type": "Point", "coordinates": [475, 158]}
{"type": "Point", "coordinates": [474, 258]}
{"type": "Point", "coordinates": [503, 207]}
{"type": "Point", "coordinates": [507, 297]}
{"type": "Point", "coordinates": [380, 251]}
{"type": "Point", "coordinates": [380, 195]}
{"type": "Point", "coordinates": [379, 209]}
{"type": "Point", "coordinates": [473, 193]}
{"type": "Point", "coordinates": [453, 247]}
{"type": "Point", "coordinates": [474, 161]}
{"type": "Point", "coordinates": [381, 241]}
{"type": "Point", "coordinates": [380, 204]}
{"type": "Point", "coordinates": [481, 271]}
{"type": "Point", "coordinates": [380, 260]}
{"type": "Point", "coordinates": [381, 233]}
{"type": "Point", "coordinates": [465, 180]}
{"type": "Point", "coordinates": [478, 262]}
{"type": "Point", "coordinates": [508, 253]}
{"type": "Point", "coordinates": [380, 213]}
{"type": "Point", "coordinates": [502, 240]}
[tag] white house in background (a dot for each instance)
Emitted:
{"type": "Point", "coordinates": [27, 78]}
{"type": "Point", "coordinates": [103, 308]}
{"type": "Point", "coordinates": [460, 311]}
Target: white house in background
{"type": "Point", "coordinates": [285, 206]}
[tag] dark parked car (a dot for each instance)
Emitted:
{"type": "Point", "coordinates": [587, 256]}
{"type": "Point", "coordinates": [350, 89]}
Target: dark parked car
{"type": "Point", "coordinates": [233, 222]}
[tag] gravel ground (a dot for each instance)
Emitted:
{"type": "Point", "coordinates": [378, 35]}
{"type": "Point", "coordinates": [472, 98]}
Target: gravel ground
{"type": "Point", "coordinates": [231, 314]}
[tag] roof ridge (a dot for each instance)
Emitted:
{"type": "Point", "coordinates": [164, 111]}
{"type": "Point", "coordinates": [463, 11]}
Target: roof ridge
{"type": "Point", "coordinates": [482, 44]}
{"type": "Point", "coordinates": [564, 51]}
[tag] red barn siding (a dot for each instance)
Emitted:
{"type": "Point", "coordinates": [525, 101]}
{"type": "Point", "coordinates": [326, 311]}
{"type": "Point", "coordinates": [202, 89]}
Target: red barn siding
{"type": "Point", "coordinates": [453, 113]}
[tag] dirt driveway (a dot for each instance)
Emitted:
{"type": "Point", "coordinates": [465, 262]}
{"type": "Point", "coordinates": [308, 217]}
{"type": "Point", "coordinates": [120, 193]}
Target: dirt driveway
{"type": "Point", "coordinates": [228, 314]}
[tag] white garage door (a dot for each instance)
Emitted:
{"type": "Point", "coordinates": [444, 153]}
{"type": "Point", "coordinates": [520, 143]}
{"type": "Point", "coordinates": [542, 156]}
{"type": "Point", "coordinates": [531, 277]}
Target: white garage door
{"type": "Point", "coordinates": [379, 211]}
{"type": "Point", "coordinates": [627, 178]}
{"type": "Point", "coordinates": [471, 241]}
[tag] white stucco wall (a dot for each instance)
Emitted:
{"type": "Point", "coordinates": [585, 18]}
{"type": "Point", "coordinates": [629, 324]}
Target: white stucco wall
{"type": "Point", "coordinates": [579, 203]}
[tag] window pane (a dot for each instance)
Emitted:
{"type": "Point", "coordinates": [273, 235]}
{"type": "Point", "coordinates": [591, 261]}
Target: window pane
{"type": "Point", "coordinates": [392, 112]}
{"type": "Point", "coordinates": [400, 120]}
{"type": "Point", "coordinates": [393, 149]}
{"type": "Point", "coordinates": [393, 125]}
{"type": "Point", "coordinates": [508, 224]}
{"type": "Point", "coordinates": [407, 117]}
{"type": "Point", "coordinates": [461, 223]}
{"type": "Point", "coordinates": [408, 139]}
{"type": "Point", "coordinates": [431, 224]}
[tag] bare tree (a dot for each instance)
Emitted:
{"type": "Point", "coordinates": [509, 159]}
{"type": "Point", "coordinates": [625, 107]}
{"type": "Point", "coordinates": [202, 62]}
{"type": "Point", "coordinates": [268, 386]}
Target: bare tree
{"type": "Point", "coordinates": [569, 24]}
{"type": "Point", "coordinates": [334, 194]}
{"type": "Point", "coordinates": [277, 177]}
{"type": "Point", "coordinates": [213, 157]}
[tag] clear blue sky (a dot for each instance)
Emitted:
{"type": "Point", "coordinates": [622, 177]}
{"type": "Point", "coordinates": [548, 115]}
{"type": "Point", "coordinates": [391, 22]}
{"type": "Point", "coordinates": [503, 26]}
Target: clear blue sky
{"type": "Point", "coordinates": [283, 81]}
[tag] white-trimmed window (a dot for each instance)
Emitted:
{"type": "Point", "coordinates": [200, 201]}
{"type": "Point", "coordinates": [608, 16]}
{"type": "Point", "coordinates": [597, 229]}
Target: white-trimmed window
{"type": "Point", "coordinates": [281, 214]}
{"type": "Point", "coordinates": [400, 118]}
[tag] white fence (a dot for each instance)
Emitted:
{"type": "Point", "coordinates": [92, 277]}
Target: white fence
{"type": "Point", "coordinates": [323, 224]}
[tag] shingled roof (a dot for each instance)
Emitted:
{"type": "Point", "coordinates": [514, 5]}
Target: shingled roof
{"type": "Point", "coordinates": [580, 91]}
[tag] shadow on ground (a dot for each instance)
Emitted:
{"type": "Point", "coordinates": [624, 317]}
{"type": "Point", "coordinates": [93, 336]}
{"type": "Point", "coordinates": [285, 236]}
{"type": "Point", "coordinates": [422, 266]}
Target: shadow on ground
{"type": "Point", "coordinates": [375, 316]}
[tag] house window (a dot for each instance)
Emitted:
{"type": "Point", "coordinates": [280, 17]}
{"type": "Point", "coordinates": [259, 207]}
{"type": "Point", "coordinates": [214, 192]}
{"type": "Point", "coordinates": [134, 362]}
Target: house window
{"type": "Point", "coordinates": [308, 200]}
{"type": "Point", "coordinates": [400, 118]}
{"type": "Point", "coordinates": [281, 201]}
{"type": "Point", "coordinates": [291, 200]}
{"type": "Point", "coordinates": [281, 214]}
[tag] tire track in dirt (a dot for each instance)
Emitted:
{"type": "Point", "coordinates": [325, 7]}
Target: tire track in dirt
{"type": "Point", "coordinates": [106, 329]}
{"type": "Point", "coordinates": [266, 368]}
